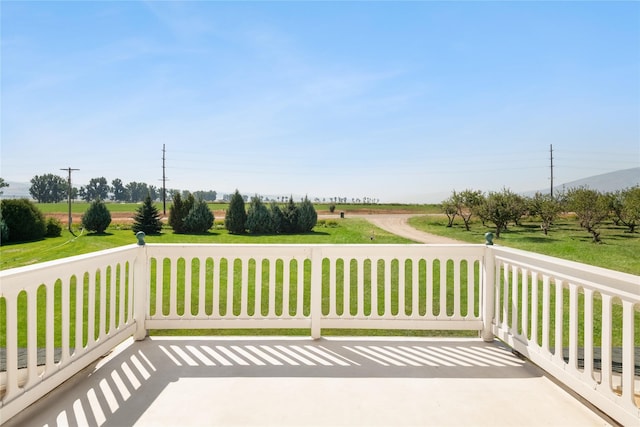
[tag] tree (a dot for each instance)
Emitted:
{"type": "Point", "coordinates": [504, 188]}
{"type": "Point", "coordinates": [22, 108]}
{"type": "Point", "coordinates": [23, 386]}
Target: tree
{"type": "Point", "coordinates": [236, 217]}
{"type": "Point", "coordinates": [547, 208]}
{"type": "Point", "coordinates": [97, 189]}
{"type": "Point", "coordinates": [258, 217]}
{"type": "Point", "coordinates": [138, 191]}
{"type": "Point", "coordinates": [2, 185]}
{"type": "Point", "coordinates": [147, 218]}
{"type": "Point", "coordinates": [450, 209]}
{"type": "Point", "coordinates": [199, 219]}
{"type": "Point", "coordinates": [626, 207]}
{"type": "Point", "coordinates": [497, 209]}
{"type": "Point", "coordinates": [179, 211]}
{"type": "Point", "coordinates": [590, 207]}
{"type": "Point", "coordinates": [291, 213]}
{"type": "Point", "coordinates": [307, 216]}
{"type": "Point", "coordinates": [277, 218]}
{"type": "Point", "coordinates": [466, 204]}
{"type": "Point", "coordinates": [97, 217]}
{"type": "Point", "coordinates": [22, 221]}
{"type": "Point", "coordinates": [48, 188]}
{"type": "Point", "coordinates": [120, 192]}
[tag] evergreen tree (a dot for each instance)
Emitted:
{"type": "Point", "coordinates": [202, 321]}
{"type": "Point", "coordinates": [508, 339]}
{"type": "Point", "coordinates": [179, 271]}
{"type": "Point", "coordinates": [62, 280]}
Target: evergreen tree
{"type": "Point", "coordinates": [236, 217]}
{"type": "Point", "coordinates": [97, 217]}
{"type": "Point", "coordinates": [199, 219]}
{"type": "Point", "coordinates": [277, 218]}
{"type": "Point", "coordinates": [307, 216]}
{"type": "Point", "coordinates": [258, 217]}
{"type": "Point", "coordinates": [291, 214]}
{"type": "Point", "coordinates": [147, 218]}
{"type": "Point", "coordinates": [179, 211]}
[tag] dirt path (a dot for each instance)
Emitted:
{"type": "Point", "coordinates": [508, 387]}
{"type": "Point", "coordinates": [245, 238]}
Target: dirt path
{"type": "Point", "coordinates": [398, 224]}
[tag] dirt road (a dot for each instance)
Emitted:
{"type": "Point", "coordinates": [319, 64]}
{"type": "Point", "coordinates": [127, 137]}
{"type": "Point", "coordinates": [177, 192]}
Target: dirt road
{"type": "Point", "coordinates": [398, 224]}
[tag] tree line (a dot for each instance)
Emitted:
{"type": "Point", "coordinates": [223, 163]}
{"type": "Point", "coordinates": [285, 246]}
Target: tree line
{"type": "Point", "coordinates": [21, 220]}
{"type": "Point", "coordinates": [502, 208]}
{"type": "Point", "coordinates": [51, 188]}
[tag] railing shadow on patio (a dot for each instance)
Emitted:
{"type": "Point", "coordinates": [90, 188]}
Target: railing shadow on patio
{"type": "Point", "coordinates": [139, 384]}
{"type": "Point", "coordinates": [77, 309]}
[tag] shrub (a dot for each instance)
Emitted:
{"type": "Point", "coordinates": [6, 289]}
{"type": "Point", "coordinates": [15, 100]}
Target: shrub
{"type": "Point", "coordinates": [307, 216]}
{"type": "Point", "coordinates": [54, 227]}
{"type": "Point", "coordinates": [332, 207]}
{"type": "Point", "coordinates": [97, 217]}
{"type": "Point", "coordinates": [4, 232]}
{"type": "Point", "coordinates": [258, 217]}
{"type": "Point", "coordinates": [147, 218]}
{"type": "Point", "coordinates": [236, 217]}
{"type": "Point", "coordinates": [23, 220]}
{"type": "Point", "coordinates": [199, 219]}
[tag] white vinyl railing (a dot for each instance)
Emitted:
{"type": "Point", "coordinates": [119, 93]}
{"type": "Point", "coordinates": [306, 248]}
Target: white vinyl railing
{"type": "Point", "coordinates": [60, 316]}
{"type": "Point", "coordinates": [550, 309]}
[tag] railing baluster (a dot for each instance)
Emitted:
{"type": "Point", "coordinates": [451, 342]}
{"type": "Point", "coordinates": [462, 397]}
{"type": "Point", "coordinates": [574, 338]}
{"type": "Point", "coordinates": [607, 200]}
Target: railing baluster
{"type": "Point", "coordinates": [188, 277]}
{"type": "Point", "coordinates": [66, 324]}
{"type": "Point", "coordinates": [628, 361]}
{"type": "Point", "coordinates": [573, 326]}
{"type": "Point", "coordinates": [415, 288]}
{"type": "Point", "coordinates": [173, 288]}
{"type": "Point", "coordinates": [216, 287]}
{"type": "Point", "coordinates": [202, 288]}
{"type": "Point", "coordinates": [360, 287]}
{"type": "Point", "coordinates": [430, 307]}
{"type": "Point", "coordinates": [456, 314]}
{"type": "Point", "coordinates": [32, 334]}
{"type": "Point", "coordinates": [534, 308]}
{"type": "Point", "coordinates": [559, 323]}
{"type": "Point", "coordinates": [402, 285]}
{"type": "Point", "coordinates": [300, 288]}
{"type": "Point", "coordinates": [286, 286]}
{"type": "Point", "coordinates": [606, 337]}
{"type": "Point", "coordinates": [524, 319]}
{"type": "Point", "coordinates": [443, 288]}
{"type": "Point", "coordinates": [588, 336]}
{"type": "Point", "coordinates": [388, 314]}
{"type": "Point", "coordinates": [546, 309]}
{"type": "Point", "coordinates": [515, 283]}
{"type": "Point", "coordinates": [272, 287]}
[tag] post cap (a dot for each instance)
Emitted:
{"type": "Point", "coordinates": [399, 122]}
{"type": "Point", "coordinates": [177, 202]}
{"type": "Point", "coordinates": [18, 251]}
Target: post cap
{"type": "Point", "coordinates": [488, 237]}
{"type": "Point", "coordinates": [140, 236]}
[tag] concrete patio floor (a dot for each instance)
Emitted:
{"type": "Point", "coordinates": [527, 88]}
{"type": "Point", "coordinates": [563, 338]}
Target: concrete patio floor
{"type": "Point", "coordinates": [275, 381]}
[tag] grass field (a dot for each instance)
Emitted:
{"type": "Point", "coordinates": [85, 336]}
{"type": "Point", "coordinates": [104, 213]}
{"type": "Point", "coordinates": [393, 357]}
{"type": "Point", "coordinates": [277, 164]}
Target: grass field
{"type": "Point", "coordinates": [566, 240]}
{"type": "Point", "coordinates": [618, 251]}
{"type": "Point", "coordinates": [339, 231]}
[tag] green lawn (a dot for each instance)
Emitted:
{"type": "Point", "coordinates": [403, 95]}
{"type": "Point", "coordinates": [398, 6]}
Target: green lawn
{"type": "Point", "coordinates": [348, 230]}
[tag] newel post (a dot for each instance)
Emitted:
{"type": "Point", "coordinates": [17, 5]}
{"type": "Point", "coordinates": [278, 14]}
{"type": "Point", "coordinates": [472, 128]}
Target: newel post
{"type": "Point", "coordinates": [140, 288]}
{"type": "Point", "coordinates": [488, 292]}
{"type": "Point", "coordinates": [316, 292]}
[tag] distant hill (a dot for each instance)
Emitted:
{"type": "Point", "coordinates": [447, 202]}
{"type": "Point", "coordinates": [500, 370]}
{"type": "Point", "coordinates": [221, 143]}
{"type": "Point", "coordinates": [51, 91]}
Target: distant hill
{"type": "Point", "coordinates": [606, 182]}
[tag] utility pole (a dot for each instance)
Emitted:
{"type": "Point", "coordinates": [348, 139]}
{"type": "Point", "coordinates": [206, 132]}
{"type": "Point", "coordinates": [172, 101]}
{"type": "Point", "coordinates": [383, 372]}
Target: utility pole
{"type": "Point", "coordinates": [551, 158]}
{"type": "Point", "coordinates": [164, 187]}
{"type": "Point", "coordinates": [69, 194]}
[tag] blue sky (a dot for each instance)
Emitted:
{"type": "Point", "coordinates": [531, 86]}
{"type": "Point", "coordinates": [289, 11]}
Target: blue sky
{"type": "Point", "coordinates": [399, 101]}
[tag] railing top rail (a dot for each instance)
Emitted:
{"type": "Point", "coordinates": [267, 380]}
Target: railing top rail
{"type": "Point", "coordinates": [49, 265]}
{"type": "Point", "coordinates": [598, 278]}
